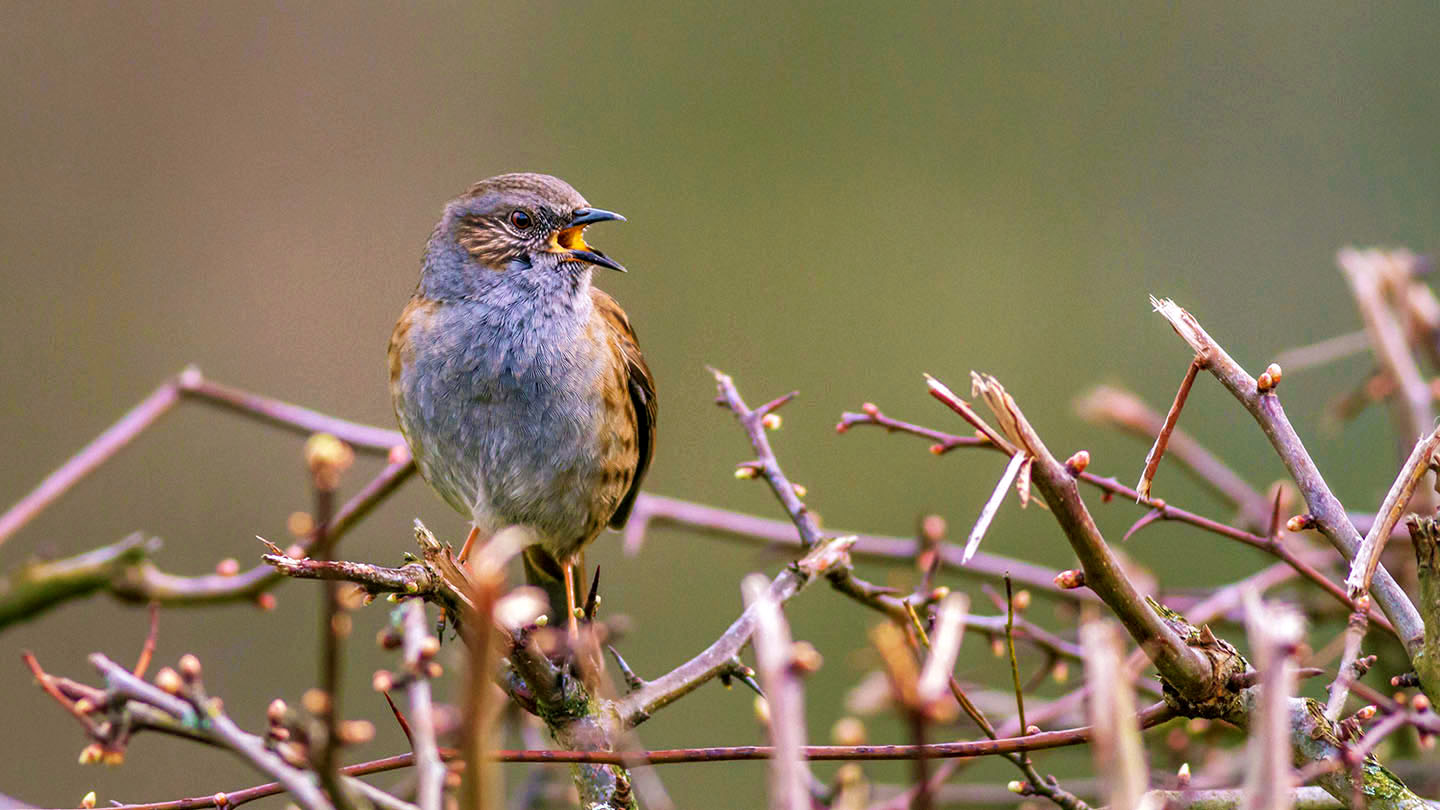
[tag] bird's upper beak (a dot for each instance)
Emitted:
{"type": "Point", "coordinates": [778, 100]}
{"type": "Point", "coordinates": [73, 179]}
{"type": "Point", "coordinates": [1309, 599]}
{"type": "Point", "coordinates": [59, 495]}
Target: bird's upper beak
{"type": "Point", "coordinates": [570, 240]}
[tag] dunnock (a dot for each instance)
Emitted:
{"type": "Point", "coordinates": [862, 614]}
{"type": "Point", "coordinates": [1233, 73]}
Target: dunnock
{"type": "Point", "coordinates": [520, 387]}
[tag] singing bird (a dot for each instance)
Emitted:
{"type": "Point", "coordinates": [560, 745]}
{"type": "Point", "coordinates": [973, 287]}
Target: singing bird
{"type": "Point", "coordinates": [519, 386]}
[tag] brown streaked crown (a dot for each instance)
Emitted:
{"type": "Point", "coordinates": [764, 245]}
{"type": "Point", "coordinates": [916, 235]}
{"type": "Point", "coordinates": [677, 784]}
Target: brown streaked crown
{"type": "Point", "coordinates": [484, 227]}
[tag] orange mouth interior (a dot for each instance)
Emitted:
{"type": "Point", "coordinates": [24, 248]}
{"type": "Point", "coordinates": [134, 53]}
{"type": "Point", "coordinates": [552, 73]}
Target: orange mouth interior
{"type": "Point", "coordinates": [571, 239]}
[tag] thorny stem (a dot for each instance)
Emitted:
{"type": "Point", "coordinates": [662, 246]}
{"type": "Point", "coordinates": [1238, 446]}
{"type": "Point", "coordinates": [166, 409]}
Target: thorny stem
{"type": "Point", "coordinates": [1163, 509]}
{"type": "Point", "coordinates": [1180, 665]}
{"type": "Point", "coordinates": [1162, 438]}
{"type": "Point", "coordinates": [189, 384]}
{"type": "Point", "coordinates": [765, 462]}
{"type": "Point", "coordinates": [1329, 514]}
{"type": "Point", "coordinates": [1118, 408]}
{"type": "Point", "coordinates": [221, 729]}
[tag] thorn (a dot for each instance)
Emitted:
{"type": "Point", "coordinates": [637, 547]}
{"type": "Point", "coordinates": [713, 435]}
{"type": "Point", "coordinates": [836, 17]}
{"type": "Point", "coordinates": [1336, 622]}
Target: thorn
{"type": "Point", "coordinates": [633, 682]}
{"type": "Point", "coordinates": [592, 601]}
{"type": "Point", "coordinates": [1145, 520]}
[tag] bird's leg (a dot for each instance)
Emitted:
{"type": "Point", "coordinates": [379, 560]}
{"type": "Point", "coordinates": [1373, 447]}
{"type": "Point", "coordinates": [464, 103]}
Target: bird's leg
{"type": "Point", "coordinates": [570, 595]}
{"type": "Point", "coordinates": [469, 541]}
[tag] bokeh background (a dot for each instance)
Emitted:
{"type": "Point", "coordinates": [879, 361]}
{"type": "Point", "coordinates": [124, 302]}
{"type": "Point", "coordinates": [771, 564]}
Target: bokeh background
{"type": "Point", "coordinates": [829, 197]}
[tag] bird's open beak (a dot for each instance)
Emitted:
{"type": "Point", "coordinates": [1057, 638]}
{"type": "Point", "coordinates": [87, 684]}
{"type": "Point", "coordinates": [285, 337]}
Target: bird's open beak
{"type": "Point", "coordinates": [570, 240]}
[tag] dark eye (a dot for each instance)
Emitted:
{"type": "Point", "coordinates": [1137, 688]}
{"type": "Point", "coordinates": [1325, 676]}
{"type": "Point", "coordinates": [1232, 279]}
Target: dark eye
{"type": "Point", "coordinates": [521, 220]}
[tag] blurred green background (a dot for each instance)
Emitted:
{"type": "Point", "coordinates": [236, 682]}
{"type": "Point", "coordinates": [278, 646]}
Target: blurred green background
{"type": "Point", "coordinates": [830, 197]}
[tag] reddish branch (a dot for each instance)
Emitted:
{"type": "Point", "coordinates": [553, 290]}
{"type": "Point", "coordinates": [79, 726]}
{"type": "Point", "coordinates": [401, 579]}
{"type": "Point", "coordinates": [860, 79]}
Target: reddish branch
{"type": "Point", "coordinates": [1148, 718]}
{"type": "Point", "coordinates": [945, 442]}
{"type": "Point", "coordinates": [188, 384]}
{"type": "Point", "coordinates": [1329, 515]}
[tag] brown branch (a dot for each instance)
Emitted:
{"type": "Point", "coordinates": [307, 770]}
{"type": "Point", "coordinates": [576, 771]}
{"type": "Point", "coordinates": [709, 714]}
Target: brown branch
{"type": "Point", "coordinates": [416, 640]}
{"type": "Point", "coordinates": [765, 463]}
{"type": "Point", "coordinates": [218, 727]}
{"type": "Point", "coordinates": [784, 696]}
{"type": "Point", "coordinates": [328, 458]}
{"type": "Point", "coordinates": [1162, 438]}
{"type": "Point", "coordinates": [1329, 514]}
{"type": "Point", "coordinates": [1117, 408]}
{"type": "Point", "coordinates": [1180, 665]}
{"type": "Point", "coordinates": [1367, 271]}
{"type": "Point", "coordinates": [1149, 718]}
{"type": "Point", "coordinates": [97, 452]}
{"type": "Point", "coordinates": [988, 565]}
{"type": "Point", "coordinates": [658, 510]}
{"type": "Point", "coordinates": [1367, 558]}
{"type": "Point", "coordinates": [192, 385]}
{"type": "Point", "coordinates": [1117, 751]}
{"type": "Point", "coordinates": [639, 705]}
{"type": "Point", "coordinates": [1275, 635]}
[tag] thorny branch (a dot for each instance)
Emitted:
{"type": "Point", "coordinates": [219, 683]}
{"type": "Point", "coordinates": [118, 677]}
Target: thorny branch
{"type": "Point", "coordinates": [1203, 675]}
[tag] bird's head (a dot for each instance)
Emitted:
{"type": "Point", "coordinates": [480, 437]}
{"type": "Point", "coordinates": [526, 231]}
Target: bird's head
{"type": "Point", "coordinates": [524, 221]}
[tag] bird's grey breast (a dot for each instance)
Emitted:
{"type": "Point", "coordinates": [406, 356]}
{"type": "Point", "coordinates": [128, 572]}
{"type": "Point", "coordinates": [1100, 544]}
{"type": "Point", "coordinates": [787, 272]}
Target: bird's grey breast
{"type": "Point", "coordinates": [505, 385]}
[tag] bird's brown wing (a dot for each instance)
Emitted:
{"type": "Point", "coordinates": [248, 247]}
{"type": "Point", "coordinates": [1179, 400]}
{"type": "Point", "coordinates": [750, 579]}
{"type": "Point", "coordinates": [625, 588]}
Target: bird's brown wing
{"type": "Point", "coordinates": [641, 388]}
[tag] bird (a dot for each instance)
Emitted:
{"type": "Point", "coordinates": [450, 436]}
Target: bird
{"type": "Point", "coordinates": [519, 386]}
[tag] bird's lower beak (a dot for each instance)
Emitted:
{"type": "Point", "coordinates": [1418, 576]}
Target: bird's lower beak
{"type": "Point", "coordinates": [570, 240]}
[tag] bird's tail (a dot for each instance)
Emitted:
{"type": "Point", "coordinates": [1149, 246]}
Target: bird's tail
{"type": "Point", "coordinates": [545, 572]}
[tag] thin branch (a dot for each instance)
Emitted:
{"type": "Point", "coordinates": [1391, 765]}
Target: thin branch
{"type": "Point", "coordinates": [639, 705]}
{"type": "Point", "coordinates": [1329, 514]}
{"type": "Point", "coordinates": [1162, 438]}
{"type": "Point", "coordinates": [1275, 635]}
{"type": "Point", "coordinates": [416, 641]}
{"type": "Point", "coordinates": [97, 452]}
{"type": "Point", "coordinates": [1117, 751]}
{"type": "Point", "coordinates": [992, 505]}
{"type": "Point", "coordinates": [36, 587]}
{"type": "Point", "coordinates": [1184, 668]}
{"type": "Point", "coordinates": [657, 510]}
{"type": "Point", "coordinates": [328, 458]}
{"type": "Point", "coordinates": [1117, 408]}
{"type": "Point", "coordinates": [1420, 461]}
{"type": "Point", "coordinates": [1366, 271]}
{"type": "Point", "coordinates": [191, 384]}
{"type": "Point", "coordinates": [789, 778]}
{"type": "Point", "coordinates": [220, 728]}
{"type": "Point", "coordinates": [995, 566]}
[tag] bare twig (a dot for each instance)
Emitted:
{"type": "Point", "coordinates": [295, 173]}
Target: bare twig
{"type": "Point", "coordinates": [1117, 749]}
{"type": "Point", "coordinates": [221, 729]}
{"type": "Point", "coordinates": [639, 705]}
{"type": "Point", "coordinates": [987, 513]}
{"type": "Point", "coordinates": [1115, 407]}
{"type": "Point", "coordinates": [416, 643]}
{"type": "Point", "coordinates": [328, 458]}
{"type": "Point", "coordinates": [995, 566]}
{"type": "Point", "coordinates": [1340, 689]}
{"type": "Point", "coordinates": [1368, 273]}
{"type": "Point", "coordinates": [1275, 633]}
{"type": "Point", "coordinates": [1177, 662]}
{"type": "Point", "coordinates": [788, 775]}
{"type": "Point", "coordinates": [1162, 439]}
{"type": "Point", "coordinates": [1329, 514]}
{"type": "Point", "coordinates": [765, 463]}
{"type": "Point", "coordinates": [657, 510]}
{"type": "Point", "coordinates": [1367, 558]}
{"type": "Point", "coordinates": [190, 384]}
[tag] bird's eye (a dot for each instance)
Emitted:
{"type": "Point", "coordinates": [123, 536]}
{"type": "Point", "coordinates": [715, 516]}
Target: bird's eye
{"type": "Point", "coordinates": [521, 220]}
